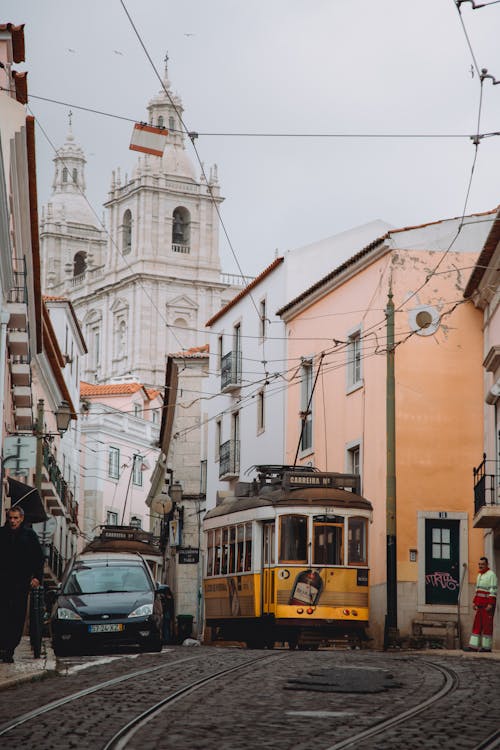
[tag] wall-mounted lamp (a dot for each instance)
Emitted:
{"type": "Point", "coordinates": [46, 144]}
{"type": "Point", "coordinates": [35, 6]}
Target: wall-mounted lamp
{"type": "Point", "coordinates": [63, 417]}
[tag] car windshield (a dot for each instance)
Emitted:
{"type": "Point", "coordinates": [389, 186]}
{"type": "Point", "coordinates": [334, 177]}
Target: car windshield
{"type": "Point", "coordinates": [100, 579]}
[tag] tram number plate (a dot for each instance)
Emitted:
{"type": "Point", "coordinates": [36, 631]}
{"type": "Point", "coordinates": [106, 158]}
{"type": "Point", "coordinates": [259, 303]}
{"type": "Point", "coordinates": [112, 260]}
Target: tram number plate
{"type": "Point", "coordinates": [107, 627]}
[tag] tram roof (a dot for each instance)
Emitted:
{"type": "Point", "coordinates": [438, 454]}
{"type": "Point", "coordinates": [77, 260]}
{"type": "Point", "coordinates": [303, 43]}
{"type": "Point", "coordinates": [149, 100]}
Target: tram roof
{"type": "Point", "coordinates": [319, 497]}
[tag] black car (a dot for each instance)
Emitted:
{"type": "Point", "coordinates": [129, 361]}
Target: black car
{"type": "Point", "coordinates": [107, 599]}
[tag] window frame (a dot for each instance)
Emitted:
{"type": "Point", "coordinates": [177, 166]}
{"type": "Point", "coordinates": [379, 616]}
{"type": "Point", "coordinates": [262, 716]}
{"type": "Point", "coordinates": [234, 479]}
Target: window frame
{"type": "Point", "coordinates": [113, 462]}
{"type": "Point", "coordinates": [261, 411]}
{"type": "Point", "coordinates": [306, 388]}
{"type": "Point", "coordinates": [354, 368]}
{"type": "Point", "coordinates": [137, 470]}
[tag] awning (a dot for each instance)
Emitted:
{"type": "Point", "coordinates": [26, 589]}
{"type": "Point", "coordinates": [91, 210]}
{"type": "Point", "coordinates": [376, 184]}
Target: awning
{"type": "Point", "coordinates": [29, 499]}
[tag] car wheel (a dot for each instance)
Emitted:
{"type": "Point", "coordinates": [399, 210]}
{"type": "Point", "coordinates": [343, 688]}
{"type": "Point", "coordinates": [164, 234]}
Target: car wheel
{"type": "Point", "coordinates": [153, 644]}
{"type": "Point", "coordinates": [60, 647]}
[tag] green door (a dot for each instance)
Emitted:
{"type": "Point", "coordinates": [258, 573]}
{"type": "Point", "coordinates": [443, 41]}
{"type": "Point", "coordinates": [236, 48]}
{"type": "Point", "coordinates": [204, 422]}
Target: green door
{"type": "Point", "coordinates": [442, 561]}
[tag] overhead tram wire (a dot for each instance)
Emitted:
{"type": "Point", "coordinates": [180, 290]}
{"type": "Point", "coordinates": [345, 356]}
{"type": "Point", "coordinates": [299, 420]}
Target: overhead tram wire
{"type": "Point", "coordinates": [249, 134]}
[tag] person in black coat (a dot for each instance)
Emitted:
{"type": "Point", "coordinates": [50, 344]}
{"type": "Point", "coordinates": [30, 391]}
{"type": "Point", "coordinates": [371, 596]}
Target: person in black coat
{"type": "Point", "coordinates": [21, 567]}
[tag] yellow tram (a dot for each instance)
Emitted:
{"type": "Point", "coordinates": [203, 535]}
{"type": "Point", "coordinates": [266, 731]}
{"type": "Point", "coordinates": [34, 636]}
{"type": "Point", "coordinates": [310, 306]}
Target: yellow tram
{"type": "Point", "coordinates": [287, 560]}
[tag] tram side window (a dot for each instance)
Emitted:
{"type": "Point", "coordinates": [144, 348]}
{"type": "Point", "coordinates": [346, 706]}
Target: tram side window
{"type": "Point", "coordinates": [210, 554]}
{"type": "Point", "coordinates": [217, 553]}
{"type": "Point", "coordinates": [225, 550]}
{"type": "Point", "coordinates": [232, 549]}
{"type": "Point", "coordinates": [240, 548]}
{"type": "Point", "coordinates": [357, 535]}
{"type": "Point", "coordinates": [328, 541]}
{"type": "Point", "coordinates": [293, 539]}
{"type": "Point", "coordinates": [248, 547]}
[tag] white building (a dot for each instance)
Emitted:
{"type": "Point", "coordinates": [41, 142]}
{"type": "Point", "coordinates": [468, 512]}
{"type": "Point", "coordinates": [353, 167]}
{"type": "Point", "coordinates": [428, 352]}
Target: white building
{"type": "Point", "coordinates": [147, 285]}
{"type": "Point", "coordinates": [120, 427]}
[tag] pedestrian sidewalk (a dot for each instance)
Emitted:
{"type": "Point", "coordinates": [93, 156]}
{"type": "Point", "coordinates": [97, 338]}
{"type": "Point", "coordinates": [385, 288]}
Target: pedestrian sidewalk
{"type": "Point", "coordinates": [26, 668]}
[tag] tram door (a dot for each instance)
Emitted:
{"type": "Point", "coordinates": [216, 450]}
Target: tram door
{"type": "Point", "coordinates": [268, 599]}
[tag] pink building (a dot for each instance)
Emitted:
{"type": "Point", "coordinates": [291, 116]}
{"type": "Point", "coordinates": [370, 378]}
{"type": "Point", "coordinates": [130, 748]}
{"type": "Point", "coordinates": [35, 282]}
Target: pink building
{"type": "Point", "coordinates": [414, 444]}
{"type": "Point", "coordinates": [483, 289]}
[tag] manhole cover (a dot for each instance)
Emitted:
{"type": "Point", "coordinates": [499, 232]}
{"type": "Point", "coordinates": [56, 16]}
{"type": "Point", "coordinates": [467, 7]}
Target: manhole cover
{"type": "Point", "coordinates": [345, 680]}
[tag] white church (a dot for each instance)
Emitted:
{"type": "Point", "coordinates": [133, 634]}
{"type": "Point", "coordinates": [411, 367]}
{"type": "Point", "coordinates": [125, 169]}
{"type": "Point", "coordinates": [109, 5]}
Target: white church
{"type": "Point", "coordinates": [143, 286]}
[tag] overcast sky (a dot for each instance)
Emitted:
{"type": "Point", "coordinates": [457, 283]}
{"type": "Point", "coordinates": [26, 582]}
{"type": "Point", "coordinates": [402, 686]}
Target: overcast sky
{"type": "Point", "coordinates": [280, 66]}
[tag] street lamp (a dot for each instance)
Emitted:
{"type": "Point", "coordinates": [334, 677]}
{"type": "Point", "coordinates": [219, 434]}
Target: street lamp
{"type": "Point", "coordinates": [63, 416]}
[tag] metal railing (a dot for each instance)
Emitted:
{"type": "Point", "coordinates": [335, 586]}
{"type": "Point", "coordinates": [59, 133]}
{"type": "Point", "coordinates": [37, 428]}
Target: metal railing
{"type": "Point", "coordinates": [485, 484]}
{"type": "Point", "coordinates": [177, 248]}
{"type": "Point", "coordinates": [234, 279]}
{"type": "Point", "coordinates": [57, 479]}
{"type": "Point", "coordinates": [229, 459]}
{"type": "Point", "coordinates": [55, 561]}
{"type": "Point", "coordinates": [230, 373]}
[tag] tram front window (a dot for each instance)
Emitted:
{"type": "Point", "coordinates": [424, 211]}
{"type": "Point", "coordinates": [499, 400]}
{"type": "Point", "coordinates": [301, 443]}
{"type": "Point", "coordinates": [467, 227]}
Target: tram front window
{"type": "Point", "coordinates": [328, 544]}
{"type": "Point", "coordinates": [357, 541]}
{"type": "Point", "coordinates": [293, 539]}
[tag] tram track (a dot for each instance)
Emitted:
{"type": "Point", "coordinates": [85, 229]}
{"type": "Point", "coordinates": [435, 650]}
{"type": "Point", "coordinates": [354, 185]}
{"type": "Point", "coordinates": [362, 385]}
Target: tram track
{"type": "Point", "coordinates": [120, 740]}
{"type": "Point", "coordinates": [53, 705]}
{"type": "Point", "coordinates": [123, 733]}
{"type": "Point", "coordinates": [449, 686]}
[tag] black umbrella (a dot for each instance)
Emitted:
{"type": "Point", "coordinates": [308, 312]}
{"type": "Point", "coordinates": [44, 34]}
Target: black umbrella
{"type": "Point", "coordinates": [29, 499]}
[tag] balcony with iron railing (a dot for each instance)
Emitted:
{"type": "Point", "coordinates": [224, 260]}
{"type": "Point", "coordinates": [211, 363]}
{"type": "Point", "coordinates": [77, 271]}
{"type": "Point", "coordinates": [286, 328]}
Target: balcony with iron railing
{"type": "Point", "coordinates": [59, 489]}
{"type": "Point", "coordinates": [54, 563]}
{"type": "Point", "coordinates": [486, 494]}
{"type": "Point", "coordinates": [229, 459]}
{"type": "Point", "coordinates": [230, 376]}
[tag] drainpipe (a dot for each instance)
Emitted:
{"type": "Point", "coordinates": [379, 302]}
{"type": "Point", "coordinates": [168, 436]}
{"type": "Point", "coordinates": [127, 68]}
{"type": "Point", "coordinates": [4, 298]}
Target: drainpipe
{"type": "Point", "coordinates": [4, 319]}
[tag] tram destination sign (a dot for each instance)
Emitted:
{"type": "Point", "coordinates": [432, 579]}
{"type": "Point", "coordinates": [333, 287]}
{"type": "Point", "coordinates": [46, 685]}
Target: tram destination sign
{"type": "Point", "coordinates": [312, 479]}
{"type": "Point", "coordinates": [189, 556]}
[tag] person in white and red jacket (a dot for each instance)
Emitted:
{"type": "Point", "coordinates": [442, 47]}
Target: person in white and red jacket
{"type": "Point", "coordinates": [485, 600]}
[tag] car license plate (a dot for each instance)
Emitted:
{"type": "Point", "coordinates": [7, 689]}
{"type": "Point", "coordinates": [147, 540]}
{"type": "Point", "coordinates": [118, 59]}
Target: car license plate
{"type": "Point", "coordinates": [107, 627]}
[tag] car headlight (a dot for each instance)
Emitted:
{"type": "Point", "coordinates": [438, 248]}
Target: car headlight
{"type": "Point", "coordinates": [63, 613]}
{"type": "Point", "coordinates": [144, 611]}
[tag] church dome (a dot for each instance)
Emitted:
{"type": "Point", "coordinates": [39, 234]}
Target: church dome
{"type": "Point", "coordinates": [68, 201]}
{"type": "Point", "coordinates": [176, 161]}
{"type": "Point", "coordinates": [73, 208]}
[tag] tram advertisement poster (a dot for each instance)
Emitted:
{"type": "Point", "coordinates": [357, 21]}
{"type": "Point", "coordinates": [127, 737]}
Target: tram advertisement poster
{"type": "Point", "coordinates": [307, 588]}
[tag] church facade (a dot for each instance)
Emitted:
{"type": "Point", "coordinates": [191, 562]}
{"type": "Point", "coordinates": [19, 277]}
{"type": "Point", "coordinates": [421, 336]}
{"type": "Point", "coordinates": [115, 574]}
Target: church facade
{"type": "Point", "coordinates": [146, 285]}
{"type": "Point", "coordinates": [143, 286]}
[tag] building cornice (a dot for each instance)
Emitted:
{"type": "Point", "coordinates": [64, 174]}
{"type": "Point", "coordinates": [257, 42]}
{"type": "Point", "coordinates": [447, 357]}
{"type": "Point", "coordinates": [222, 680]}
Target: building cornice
{"type": "Point", "coordinates": [371, 253]}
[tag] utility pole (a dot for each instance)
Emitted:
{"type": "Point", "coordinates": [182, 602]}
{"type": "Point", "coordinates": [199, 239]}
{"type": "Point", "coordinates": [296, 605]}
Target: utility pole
{"type": "Point", "coordinates": [391, 618]}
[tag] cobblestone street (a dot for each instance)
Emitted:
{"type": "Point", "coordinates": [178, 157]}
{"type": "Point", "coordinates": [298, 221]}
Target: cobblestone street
{"type": "Point", "coordinates": [282, 700]}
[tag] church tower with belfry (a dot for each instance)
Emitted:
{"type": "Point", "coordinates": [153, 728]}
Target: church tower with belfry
{"type": "Point", "coordinates": [145, 287]}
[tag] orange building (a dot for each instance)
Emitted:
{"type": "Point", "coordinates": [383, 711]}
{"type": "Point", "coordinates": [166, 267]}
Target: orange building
{"type": "Point", "coordinates": [414, 444]}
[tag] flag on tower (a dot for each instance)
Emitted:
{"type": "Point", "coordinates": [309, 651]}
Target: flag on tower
{"type": "Point", "coordinates": [148, 139]}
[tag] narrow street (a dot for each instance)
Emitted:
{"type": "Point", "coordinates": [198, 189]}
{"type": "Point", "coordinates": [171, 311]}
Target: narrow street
{"type": "Point", "coordinates": [233, 699]}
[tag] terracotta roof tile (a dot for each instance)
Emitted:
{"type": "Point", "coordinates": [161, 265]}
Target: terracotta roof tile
{"type": "Point", "coordinates": [193, 352]}
{"type": "Point", "coordinates": [108, 389]}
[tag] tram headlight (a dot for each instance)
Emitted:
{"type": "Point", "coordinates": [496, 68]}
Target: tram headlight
{"type": "Point", "coordinates": [354, 612]}
{"type": "Point", "coordinates": [300, 611]}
